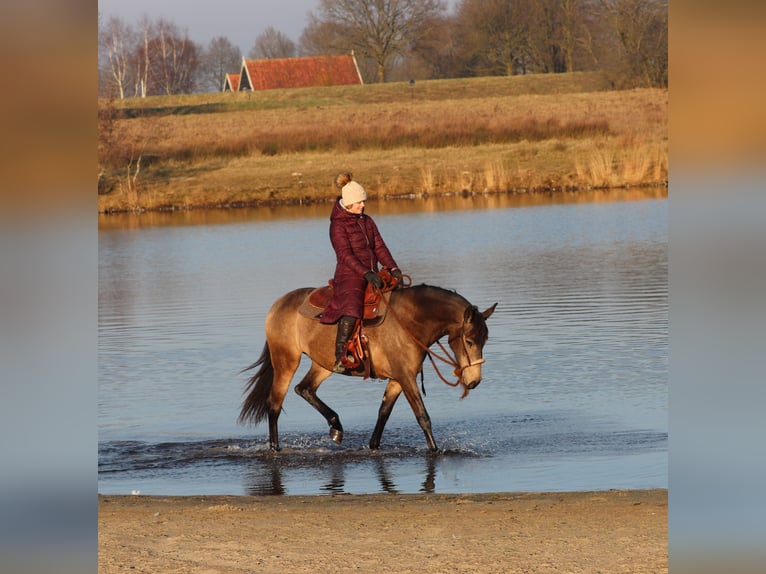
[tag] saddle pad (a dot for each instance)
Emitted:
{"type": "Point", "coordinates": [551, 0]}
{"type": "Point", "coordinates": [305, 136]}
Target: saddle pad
{"type": "Point", "coordinates": [320, 297]}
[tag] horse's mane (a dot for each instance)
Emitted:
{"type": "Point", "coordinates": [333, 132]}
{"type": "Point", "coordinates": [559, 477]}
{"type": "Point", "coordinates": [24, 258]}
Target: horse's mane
{"type": "Point", "coordinates": [434, 295]}
{"type": "Point", "coordinates": [442, 289]}
{"type": "Point", "coordinates": [427, 286]}
{"type": "Point", "coordinates": [482, 332]}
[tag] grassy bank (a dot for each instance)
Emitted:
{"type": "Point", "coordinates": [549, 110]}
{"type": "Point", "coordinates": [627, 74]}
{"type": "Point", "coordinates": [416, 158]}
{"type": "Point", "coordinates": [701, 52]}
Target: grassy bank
{"type": "Point", "coordinates": [479, 135]}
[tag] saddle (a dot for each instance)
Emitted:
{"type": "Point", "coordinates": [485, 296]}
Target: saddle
{"type": "Point", "coordinates": [374, 313]}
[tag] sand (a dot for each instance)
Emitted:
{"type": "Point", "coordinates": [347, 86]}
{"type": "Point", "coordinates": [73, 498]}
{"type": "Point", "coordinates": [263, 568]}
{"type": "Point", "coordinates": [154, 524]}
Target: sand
{"type": "Point", "coordinates": [604, 531]}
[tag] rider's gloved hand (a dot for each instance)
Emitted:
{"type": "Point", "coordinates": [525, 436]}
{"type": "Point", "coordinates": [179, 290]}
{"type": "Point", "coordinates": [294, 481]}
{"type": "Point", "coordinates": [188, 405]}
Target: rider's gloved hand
{"type": "Point", "coordinates": [373, 279]}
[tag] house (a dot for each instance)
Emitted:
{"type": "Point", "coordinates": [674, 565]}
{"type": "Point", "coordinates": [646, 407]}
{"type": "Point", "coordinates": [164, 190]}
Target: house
{"type": "Point", "coordinates": [304, 72]}
{"type": "Point", "coordinates": [231, 83]}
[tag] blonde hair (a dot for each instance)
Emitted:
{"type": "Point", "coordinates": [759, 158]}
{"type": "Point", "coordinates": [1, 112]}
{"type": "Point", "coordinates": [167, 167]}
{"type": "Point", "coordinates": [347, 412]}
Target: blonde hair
{"type": "Point", "coordinates": [342, 179]}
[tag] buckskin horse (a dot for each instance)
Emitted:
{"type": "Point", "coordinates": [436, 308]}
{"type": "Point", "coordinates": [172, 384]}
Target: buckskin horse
{"type": "Point", "coordinates": [415, 318]}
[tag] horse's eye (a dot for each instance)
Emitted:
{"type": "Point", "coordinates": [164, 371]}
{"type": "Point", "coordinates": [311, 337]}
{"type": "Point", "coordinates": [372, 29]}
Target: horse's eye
{"type": "Point", "coordinates": [469, 342]}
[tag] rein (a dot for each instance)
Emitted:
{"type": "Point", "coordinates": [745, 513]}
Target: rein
{"type": "Point", "coordinates": [448, 357]}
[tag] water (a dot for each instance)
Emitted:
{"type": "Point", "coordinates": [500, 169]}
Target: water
{"type": "Point", "coordinates": [574, 390]}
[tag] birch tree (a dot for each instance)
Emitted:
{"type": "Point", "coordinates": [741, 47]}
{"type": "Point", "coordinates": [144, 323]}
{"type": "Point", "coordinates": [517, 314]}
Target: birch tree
{"type": "Point", "coordinates": [116, 41]}
{"type": "Point", "coordinates": [173, 60]}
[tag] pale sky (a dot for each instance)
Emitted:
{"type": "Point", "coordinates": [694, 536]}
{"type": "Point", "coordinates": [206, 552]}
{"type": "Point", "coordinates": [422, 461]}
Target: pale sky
{"type": "Point", "coordinates": [239, 20]}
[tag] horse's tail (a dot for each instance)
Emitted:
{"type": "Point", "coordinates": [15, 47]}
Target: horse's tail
{"type": "Point", "coordinates": [255, 407]}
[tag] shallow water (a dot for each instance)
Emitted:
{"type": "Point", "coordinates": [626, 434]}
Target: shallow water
{"type": "Point", "coordinates": [574, 390]}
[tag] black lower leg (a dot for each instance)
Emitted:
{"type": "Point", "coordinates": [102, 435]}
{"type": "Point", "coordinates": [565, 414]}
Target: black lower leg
{"type": "Point", "coordinates": [346, 326]}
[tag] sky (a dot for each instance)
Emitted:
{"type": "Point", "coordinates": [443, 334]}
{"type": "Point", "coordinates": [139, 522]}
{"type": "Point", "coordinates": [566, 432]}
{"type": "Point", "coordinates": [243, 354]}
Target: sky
{"type": "Point", "coordinates": [241, 21]}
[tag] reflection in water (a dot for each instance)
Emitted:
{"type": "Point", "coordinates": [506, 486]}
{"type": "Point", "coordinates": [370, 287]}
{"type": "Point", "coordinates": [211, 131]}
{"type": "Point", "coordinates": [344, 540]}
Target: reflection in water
{"type": "Point", "coordinates": [265, 477]}
{"type": "Point", "coordinates": [337, 480]}
{"type": "Point", "coordinates": [277, 486]}
{"type": "Point", "coordinates": [386, 482]}
{"type": "Point", "coordinates": [429, 484]}
{"type": "Point", "coordinates": [385, 474]}
{"type": "Point", "coordinates": [269, 474]}
{"type": "Point", "coordinates": [381, 207]}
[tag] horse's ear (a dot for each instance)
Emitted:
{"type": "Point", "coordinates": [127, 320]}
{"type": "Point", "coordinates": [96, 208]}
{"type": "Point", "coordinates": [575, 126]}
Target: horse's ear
{"type": "Point", "coordinates": [489, 311]}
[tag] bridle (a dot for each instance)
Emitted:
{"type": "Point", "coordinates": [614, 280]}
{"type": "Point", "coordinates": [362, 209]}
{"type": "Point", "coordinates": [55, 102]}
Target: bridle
{"type": "Point", "coordinates": [449, 357]}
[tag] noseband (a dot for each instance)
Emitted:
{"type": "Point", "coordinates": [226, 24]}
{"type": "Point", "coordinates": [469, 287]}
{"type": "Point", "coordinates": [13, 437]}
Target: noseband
{"type": "Point", "coordinates": [458, 369]}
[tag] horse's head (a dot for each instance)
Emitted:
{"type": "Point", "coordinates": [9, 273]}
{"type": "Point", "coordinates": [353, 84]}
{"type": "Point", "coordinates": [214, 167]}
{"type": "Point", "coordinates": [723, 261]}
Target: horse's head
{"type": "Point", "coordinates": [468, 346]}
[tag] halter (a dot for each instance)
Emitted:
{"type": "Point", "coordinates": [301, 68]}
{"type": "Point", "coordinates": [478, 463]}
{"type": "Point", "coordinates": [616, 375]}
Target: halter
{"type": "Point", "coordinates": [448, 358]}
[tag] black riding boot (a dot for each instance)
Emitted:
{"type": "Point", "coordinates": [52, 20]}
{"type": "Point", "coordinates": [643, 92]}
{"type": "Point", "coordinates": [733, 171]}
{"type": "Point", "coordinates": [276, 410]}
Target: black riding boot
{"type": "Point", "coordinates": [346, 326]}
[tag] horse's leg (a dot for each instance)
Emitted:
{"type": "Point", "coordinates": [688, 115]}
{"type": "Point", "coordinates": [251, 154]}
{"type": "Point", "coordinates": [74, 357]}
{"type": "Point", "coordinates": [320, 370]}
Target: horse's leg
{"type": "Point", "coordinates": [285, 364]}
{"type": "Point", "coordinates": [307, 388]}
{"type": "Point", "coordinates": [419, 408]}
{"type": "Point", "coordinates": [392, 392]}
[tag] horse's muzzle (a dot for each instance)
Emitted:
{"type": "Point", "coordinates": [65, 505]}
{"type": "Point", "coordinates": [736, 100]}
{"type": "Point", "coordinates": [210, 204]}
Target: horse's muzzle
{"type": "Point", "coordinates": [472, 385]}
{"type": "Point", "coordinates": [470, 376]}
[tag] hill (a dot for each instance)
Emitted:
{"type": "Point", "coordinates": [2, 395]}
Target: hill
{"type": "Point", "coordinates": [473, 135]}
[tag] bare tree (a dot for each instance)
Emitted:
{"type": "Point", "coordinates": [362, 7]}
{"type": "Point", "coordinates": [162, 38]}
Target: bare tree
{"type": "Point", "coordinates": [544, 39]}
{"type": "Point", "coordinates": [173, 60]}
{"type": "Point", "coordinates": [639, 38]}
{"type": "Point", "coordinates": [271, 44]}
{"type": "Point", "coordinates": [436, 50]}
{"type": "Point", "coordinates": [321, 37]}
{"type": "Point", "coordinates": [116, 42]}
{"type": "Point", "coordinates": [377, 29]}
{"type": "Point", "coordinates": [140, 60]}
{"type": "Point", "coordinates": [494, 35]}
{"type": "Point", "coordinates": [220, 58]}
{"type": "Point", "coordinates": [571, 30]}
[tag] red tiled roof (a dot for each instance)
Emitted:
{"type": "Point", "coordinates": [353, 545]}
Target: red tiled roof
{"type": "Point", "coordinates": [231, 83]}
{"type": "Point", "coordinates": [299, 72]}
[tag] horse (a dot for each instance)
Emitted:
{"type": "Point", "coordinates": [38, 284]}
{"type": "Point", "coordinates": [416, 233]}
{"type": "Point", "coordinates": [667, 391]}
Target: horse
{"type": "Point", "coordinates": [417, 317]}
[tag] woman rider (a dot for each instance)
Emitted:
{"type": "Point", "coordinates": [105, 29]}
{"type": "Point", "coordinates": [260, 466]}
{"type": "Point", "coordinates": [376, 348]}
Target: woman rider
{"type": "Point", "coordinates": [359, 249]}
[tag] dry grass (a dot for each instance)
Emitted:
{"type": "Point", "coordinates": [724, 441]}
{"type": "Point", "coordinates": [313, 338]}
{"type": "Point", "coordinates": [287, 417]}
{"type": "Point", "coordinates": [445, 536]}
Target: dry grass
{"type": "Point", "coordinates": [478, 135]}
{"type": "Point", "coordinates": [623, 164]}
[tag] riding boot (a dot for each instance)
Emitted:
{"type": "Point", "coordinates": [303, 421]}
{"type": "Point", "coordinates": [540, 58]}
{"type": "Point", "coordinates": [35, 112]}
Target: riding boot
{"type": "Point", "coordinates": [346, 326]}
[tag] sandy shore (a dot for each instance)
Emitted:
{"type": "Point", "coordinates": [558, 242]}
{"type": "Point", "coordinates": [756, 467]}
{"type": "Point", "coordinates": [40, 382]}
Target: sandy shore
{"type": "Point", "coordinates": [610, 531]}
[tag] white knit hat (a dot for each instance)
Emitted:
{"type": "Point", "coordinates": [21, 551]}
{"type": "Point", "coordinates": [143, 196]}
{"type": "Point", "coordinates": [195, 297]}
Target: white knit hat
{"type": "Point", "coordinates": [352, 192]}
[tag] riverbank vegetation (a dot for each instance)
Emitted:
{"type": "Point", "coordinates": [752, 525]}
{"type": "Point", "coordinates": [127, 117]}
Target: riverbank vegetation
{"type": "Point", "coordinates": [516, 134]}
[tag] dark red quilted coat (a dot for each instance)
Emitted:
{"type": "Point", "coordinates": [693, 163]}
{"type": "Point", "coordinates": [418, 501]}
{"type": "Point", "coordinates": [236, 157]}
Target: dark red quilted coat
{"type": "Point", "coordinates": [359, 248]}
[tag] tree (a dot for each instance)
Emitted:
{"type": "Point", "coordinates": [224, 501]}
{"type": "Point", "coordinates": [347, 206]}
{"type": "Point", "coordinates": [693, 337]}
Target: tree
{"type": "Point", "coordinates": [435, 50]}
{"type": "Point", "coordinates": [639, 40]}
{"type": "Point", "coordinates": [570, 31]}
{"type": "Point", "coordinates": [271, 44]}
{"type": "Point", "coordinates": [379, 30]}
{"type": "Point", "coordinates": [494, 35]}
{"type": "Point", "coordinates": [321, 37]}
{"type": "Point", "coordinates": [173, 60]}
{"type": "Point", "coordinates": [116, 42]}
{"type": "Point", "coordinates": [140, 59]}
{"type": "Point", "coordinates": [546, 37]}
{"type": "Point", "coordinates": [503, 37]}
{"type": "Point", "coordinates": [220, 58]}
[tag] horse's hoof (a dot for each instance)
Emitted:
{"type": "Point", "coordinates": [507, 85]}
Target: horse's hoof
{"type": "Point", "coordinates": [336, 435]}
